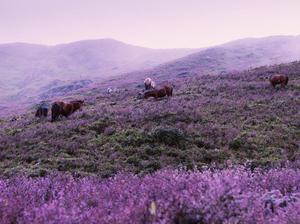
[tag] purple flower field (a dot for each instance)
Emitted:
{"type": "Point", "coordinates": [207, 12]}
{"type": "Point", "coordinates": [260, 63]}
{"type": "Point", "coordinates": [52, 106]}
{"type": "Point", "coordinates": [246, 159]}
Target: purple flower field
{"type": "Point", "coordinates": [233, 195]}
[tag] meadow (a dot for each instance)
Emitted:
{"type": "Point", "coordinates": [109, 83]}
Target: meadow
{"type": "Point", "coordinates": [212, 153]}
{"type": "Point", "coordinates": [210, 119]}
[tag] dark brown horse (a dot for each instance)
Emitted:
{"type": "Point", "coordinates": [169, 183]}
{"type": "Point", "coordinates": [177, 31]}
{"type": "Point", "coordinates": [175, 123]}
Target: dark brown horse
{"type": "Point", "coordinates": [159, 93]}
{"type": "Point", "coordinates": [278, 79]}
{"type": "Point", "coordinates": [65, 109]}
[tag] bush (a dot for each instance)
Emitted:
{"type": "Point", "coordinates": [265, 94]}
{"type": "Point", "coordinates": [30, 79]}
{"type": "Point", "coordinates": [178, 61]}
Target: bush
{"type": "Point", "coordinates": [100, 126]}
{"type": "Point", "coordinates": [169, 136]}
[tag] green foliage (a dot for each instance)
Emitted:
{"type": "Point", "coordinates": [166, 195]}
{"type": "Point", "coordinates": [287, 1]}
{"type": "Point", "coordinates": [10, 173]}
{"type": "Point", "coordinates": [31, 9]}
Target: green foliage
{"type": "Point", "coordinates": [169, 136]}
{"type": "Point", "coordinates": [100, 126]}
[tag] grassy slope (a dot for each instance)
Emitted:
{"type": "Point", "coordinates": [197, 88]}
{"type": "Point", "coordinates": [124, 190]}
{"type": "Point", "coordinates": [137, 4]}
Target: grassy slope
{"type": "Point", "coordinates": [210, 119]}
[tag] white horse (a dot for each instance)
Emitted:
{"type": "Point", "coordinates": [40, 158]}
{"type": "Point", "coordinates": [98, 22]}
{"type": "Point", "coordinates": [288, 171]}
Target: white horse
{"type": "Point", "coordinates": [149, 84]}
{"type": "Point", "coordinates": [112, 90]}
{"type": "Point", "coordinates": [109, 90]}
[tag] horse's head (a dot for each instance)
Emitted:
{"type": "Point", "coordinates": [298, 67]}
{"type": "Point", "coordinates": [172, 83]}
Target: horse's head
{"type": "Point", "coordinates": [77, 101]}
{"type": "Point", "coordinates": [77, 104]}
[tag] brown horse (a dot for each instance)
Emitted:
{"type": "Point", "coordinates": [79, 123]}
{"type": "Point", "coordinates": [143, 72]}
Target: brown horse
{"type": "Point", "coordinates": [159, 93]}
{"type": "Point", "coordinates": [279, 79]}
{"type": "Point", "coordinates": [41, 112]}
{"type": "Point", "coordinates": [65, 109]}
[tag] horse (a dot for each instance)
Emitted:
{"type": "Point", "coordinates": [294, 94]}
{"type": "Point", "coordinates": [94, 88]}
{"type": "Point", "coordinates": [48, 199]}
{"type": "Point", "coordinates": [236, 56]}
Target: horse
{"type": "Point", "coordinates": [159, 93]}
{"type": "Point", "coordinates": [65, 109]}
{"type": "Point", "coordinates": [149, 84]}
{"type": "Point", "coordinates": [109, 90]}
{"type": "Point", "coordinates": [114, 90]}
{"type": "Point", "coordinates": [278, 79]}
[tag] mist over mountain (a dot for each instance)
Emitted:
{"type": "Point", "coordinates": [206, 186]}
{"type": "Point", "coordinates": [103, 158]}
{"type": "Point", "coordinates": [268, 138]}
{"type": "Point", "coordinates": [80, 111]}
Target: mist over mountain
{"type": "Point", "coordinates": [25, 68]}
{"type": "Point", "coordinates": [233, 56]}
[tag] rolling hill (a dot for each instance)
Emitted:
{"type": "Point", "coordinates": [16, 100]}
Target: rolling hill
{"type": "Point", "coordinates": [233, 56]}
{"type": "Point", "coordinates": [26, 68]}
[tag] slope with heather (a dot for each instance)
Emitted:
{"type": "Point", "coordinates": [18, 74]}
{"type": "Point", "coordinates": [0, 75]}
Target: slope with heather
{"type": "Point", "coordinates": [238, 117]}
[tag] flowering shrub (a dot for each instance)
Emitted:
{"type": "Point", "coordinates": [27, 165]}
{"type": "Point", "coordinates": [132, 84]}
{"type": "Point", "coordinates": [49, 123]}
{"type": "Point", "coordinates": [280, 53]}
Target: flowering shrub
{"type": "Point", "coordinates": [233, 195]}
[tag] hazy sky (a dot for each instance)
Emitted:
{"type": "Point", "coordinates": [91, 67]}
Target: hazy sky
{"type": "Point", "coordinates": [149, 23]}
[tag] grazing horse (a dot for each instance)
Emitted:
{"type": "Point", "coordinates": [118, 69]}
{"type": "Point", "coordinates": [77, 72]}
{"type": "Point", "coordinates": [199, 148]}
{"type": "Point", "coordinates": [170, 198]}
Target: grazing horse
{"type": "Point", "coordinates": [279, 79]}
{"type": "Point", "coordinates": [65, 109]}
{"type": "Point", "coordinates": [159, 93]}
{"type": "Point", "coordinates": [109, 90]}
{"type": "Point", "coordinates": [149, 84]}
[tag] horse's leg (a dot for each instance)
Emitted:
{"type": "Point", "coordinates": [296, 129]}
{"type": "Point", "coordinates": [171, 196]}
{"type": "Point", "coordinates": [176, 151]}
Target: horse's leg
{"type": "Point", "coordinates": [53, 118]}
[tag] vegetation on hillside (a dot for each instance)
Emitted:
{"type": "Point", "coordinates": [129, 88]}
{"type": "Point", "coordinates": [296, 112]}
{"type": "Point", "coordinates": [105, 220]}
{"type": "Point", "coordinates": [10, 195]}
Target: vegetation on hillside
{"type": "Point", "coordinates": [236, 117]}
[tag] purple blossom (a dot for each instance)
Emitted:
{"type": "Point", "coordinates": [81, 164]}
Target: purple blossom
{"type": "Point", "coordinates": [234, 195]}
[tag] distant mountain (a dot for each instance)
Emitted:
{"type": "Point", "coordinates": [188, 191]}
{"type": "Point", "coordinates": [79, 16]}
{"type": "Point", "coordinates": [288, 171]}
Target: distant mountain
{"type": "Point", "coordinates": [234, 56]}
{"type": "Point", "coordinates": [26, 68]}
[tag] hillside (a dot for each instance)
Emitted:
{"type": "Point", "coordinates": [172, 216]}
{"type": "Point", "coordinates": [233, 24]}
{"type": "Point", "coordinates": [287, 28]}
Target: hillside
{"type": "Point", "coordinates": [234, 56]}
{"type": "Point", "coordinates": [210, 119]}
{"type": "Point", "coordinates": [26, 68]}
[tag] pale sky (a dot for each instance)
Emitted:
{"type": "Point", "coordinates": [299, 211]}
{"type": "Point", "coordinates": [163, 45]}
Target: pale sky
{"type": "Point", "coordinates": [148, 23]}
